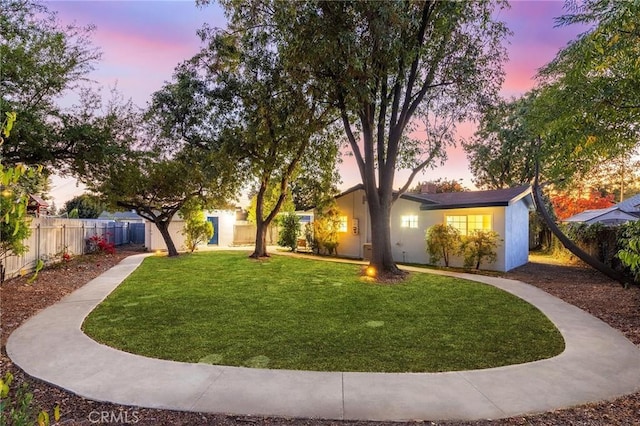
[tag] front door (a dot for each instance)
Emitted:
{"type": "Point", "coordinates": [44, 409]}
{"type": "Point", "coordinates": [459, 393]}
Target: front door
{"type": "Point", "coordinates": [214, 222]}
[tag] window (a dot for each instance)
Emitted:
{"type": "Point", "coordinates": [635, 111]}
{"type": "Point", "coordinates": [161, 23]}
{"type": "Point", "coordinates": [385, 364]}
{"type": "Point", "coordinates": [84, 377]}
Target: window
{"type": "Point", "coordinates": [458, 222]}
{"type": "Point", "coordinates": [342, 226]}
{"type": "Point", "coordinates": [467, 224]}
{"type": "Point", "coordinates": [479, 221]}
{"type": "Point", "coordinates": [409, 221]}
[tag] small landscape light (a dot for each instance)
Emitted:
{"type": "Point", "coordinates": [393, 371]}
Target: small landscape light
{"type": "Point", "coordinates": [158, 252]}
{"type": "Point", "coordinates": [370, 271]}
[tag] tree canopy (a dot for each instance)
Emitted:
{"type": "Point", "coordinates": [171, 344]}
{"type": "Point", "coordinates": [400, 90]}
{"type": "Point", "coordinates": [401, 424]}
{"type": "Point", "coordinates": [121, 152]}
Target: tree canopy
{"type": "Point", "coordinates": [584, 111]}
{"type": "Point", "coordinates": [391, 69]}
{"type": "Point", "coordinates": [85, 205]}
{"type": "Point", "coordinates": [171, 159]}
{"type": "Point", "coordinates": [279, 123]}
{"type": "Point", "coordinates": [439, 186]}
{"type": "Point", "coordinates": [502, 153]}
{"type": "Point", "coordinates": [598, 73]}
{"type": "Point", "coordinates": [41, 62]}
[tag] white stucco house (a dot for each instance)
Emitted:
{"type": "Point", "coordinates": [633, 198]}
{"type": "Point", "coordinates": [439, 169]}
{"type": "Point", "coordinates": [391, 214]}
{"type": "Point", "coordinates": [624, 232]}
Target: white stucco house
{"type": "Point", "coordinates": [223, 228]}
{"type": "Point", "coordinates": [625, 211]}
{"type": "Point", "coordinates": [505, 211]}
{"type": "Point", "coordinates": [230, 228]}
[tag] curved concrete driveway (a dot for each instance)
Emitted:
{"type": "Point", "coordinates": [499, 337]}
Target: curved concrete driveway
{"type": "Point", "coordinates": [599, 363]}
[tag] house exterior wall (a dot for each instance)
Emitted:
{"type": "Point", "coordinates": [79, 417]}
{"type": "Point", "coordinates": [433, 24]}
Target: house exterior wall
{"type": "Point", "coordinates": [409, 245]}
{"type": "Point", "coordinates": [153, 240]}
{"type": "Point", "coordinates": [226, 221]}
{"type": "Point", "coordinates": [516, 236]}
{"type": "Point", "coordinates": [354, 206]}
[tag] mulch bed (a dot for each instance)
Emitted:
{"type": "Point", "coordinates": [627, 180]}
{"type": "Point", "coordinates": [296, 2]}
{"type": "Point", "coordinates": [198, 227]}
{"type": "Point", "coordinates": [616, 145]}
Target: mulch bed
{"type": "Point", "coordinates": [577, 285]}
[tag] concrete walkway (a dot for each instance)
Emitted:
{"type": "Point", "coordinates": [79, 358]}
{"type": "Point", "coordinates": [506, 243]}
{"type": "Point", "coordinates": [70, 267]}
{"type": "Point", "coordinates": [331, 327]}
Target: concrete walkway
{"type": "Point", "coordinates": [599, 363]}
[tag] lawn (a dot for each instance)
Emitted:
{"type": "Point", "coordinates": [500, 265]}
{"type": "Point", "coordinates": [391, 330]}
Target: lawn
{"type": "Point", "coordinates": [291, 313]}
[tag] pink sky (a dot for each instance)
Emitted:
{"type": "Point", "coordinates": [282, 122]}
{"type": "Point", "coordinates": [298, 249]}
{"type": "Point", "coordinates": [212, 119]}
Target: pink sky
{"type": "Point", "coordinates": [142, 42]}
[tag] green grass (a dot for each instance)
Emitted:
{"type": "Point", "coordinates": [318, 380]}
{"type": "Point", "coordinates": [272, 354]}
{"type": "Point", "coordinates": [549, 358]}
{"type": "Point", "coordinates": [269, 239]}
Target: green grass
{"type": "Point", "coordinates": [289, 313]}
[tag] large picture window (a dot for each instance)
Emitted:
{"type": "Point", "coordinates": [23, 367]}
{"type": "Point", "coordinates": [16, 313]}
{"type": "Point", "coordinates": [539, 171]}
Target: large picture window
{"type": "Point", "coordinates": [469, 223]}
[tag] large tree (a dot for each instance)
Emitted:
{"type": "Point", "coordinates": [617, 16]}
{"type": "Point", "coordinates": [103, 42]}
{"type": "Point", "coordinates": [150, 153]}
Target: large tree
{"type": "Point", "coordinates": [84, 206]}
{"type": "Point", "coordinates": [502, 152]}
{"type": "Point", "coordinates": [279, 120]}
{"type": "Point", "coordinates": [597, 74]}
{"type": "Point", "coordinates": [392, 68]}
{"type": "Point", "coordinates": [176, 156]}
{"type": "Point", "coordinates": [41, 62]}
{"type": "Point", "coordinates": [158, 186]}
{"type": "Point", "coordinates": [584, 112]}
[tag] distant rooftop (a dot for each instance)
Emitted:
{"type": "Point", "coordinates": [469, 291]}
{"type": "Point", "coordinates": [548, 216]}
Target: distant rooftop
{"type": "Point", "coordinates": [630, 205]}
{"type": "Point", "coordinates": [122, 216]}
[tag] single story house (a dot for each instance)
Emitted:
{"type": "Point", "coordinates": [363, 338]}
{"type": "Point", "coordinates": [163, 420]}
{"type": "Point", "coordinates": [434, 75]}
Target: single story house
{"type": "Point", "coordinates": [230, 228]}
{"type": "Point", "coordinates": [505, 211]}
{"type": "Point", "coordinates": [223, 222]}
{"type": "Point", "coordinates": [625, 211]}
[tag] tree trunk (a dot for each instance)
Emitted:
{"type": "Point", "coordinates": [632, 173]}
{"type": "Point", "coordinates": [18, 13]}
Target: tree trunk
{"type": "Point", "coordinates": [570, 245]}
{"type": "Point", "coordinates": [260, 249]}
{"type": "Point", "coordinates": [163, 227]}
{"type": "Point", "coordinates": [381, 255]}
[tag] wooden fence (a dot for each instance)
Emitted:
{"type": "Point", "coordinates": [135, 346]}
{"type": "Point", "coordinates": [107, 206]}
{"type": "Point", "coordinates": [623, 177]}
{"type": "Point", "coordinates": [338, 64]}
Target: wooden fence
{"type": "Point", "coordinates": [245, 234]}
{"type": "Point", "coordinates": [51, 237]}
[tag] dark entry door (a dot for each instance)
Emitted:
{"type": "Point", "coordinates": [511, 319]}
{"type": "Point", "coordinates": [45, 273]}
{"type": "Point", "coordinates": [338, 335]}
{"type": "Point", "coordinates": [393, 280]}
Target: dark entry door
{"type": "Point", "coordinates": [214, 222]}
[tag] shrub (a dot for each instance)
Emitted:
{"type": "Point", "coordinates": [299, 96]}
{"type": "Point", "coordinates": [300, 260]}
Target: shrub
{"type": "Point", "coordinates": [290, 231]}
{"type": "Point", "coordinates": [309, 236]}
{"type": "Point", "coordinates": [629, 244]}
{"type": "Point", "coordinates": [597, 240]}
{"type": "Point", "coordinates": [325, 230]}
{"type": "Point", "coordinates": [100, 244]}
{"type": "Point", "coordinates": [197, 230]}
{"type": "Point", "coordinates": [14, 222]}
{"type": "Point", "coordinates": [479, 245]}
{"type": "Point", "coordinates": [442, 241]}
{"type": "Point", "coordinates": [16, 405]}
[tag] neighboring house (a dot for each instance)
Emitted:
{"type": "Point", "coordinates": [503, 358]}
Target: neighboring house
{"type": "Point", "coordinates": [505, 211]}
{"type": "Point", "coordinates": [130, 224]}
{"type": "Point", "coordinates": [128, 216]}
{"type": "Point", "coordinates": [625, 211]}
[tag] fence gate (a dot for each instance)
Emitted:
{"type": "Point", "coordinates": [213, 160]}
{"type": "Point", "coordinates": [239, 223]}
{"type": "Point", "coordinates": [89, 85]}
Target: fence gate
{"type": "Point", "coordinates": [136, 233]}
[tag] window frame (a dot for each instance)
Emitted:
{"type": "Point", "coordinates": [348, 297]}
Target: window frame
{"type": "Point", "coordinates": [465, 228]}
{"type": "Point", "coordinates": [409, 221]}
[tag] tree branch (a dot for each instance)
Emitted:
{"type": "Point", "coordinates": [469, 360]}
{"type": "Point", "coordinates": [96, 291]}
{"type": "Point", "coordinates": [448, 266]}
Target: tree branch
{"type": "Point", "coordinates": [413, 174]}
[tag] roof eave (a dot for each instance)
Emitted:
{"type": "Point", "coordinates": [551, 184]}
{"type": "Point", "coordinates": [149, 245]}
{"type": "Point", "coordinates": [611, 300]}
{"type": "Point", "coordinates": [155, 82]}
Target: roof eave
{"type": "Point", "coordinates": [463, 205]}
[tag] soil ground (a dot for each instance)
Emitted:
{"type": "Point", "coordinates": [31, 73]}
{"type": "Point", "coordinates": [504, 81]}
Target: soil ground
{"type": "Point", "coordinates": [578, 285]}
